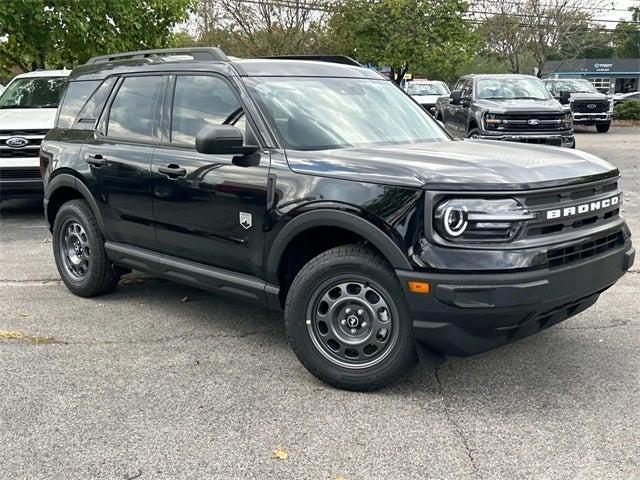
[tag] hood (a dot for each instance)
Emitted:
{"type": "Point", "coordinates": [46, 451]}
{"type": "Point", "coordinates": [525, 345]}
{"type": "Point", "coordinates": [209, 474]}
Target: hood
{"type": "Point", "coordinates": [520, 105]}
{"type": "Point", "coordinates": [588, 96]}
{"type": "Point", "coordinates": [456, 165]}
{"type": "Point", "coordinates": [27, 118]}
{"type": "Point", "coordinates": [427, 99]}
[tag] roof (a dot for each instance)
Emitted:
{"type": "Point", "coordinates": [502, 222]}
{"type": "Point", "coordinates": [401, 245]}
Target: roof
{"type": "Point", "coordinates": [593, 66]}
{"type": "Point", "coordinates": [497, 75]}
{"type": "Point", "coordinates": [243, 67]}
{"type": "Point", "coordinates": [44, 73]}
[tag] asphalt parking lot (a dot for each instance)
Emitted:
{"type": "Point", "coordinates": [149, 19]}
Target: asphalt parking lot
{"type": "Point", "coordinates": [163, 381]}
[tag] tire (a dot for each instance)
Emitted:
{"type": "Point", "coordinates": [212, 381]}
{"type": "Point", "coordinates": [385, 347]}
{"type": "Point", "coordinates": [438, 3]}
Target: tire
{"type": "Point", "coordinates": [603, 127]}
{"type": "Point", "coordinates": [384, 345]}
{"type": "Point", "coordinates": [473, 133]}
{"type": "Point", "coordinates": [78, 249]}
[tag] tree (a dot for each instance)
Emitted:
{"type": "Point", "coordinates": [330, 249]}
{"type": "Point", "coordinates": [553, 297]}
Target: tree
{"type": "Point", "coordinates": [41, 33]}
{"type": "Point", "coordinates": [427, 36]}
{"type": "Point", "coordinates": [262, 27]}
{"type": "Point", "coordinates": [627, 36]}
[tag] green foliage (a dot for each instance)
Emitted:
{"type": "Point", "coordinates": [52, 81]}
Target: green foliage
{"type": "Point", "coordinates": [627, 110]}
{"type": "Point", "coordinates": [627, 36]}
{"type": "Point", "coordinates": [49, 33]}
{"type": "Point", "coordinates": [430, 37]}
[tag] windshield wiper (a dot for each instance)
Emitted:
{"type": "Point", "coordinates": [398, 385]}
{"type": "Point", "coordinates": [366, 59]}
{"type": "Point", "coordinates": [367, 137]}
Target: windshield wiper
{"type": "Point", "coordinates": [529, 98]}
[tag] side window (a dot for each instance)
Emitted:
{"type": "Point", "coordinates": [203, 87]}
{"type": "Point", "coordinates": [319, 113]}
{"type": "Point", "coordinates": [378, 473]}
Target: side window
{"type": "Point", "coordinates": [200, 101]}
{"type": "Point", "coordinates": [89, 114]}
{"type": "Point", "coordinates": [74, 98]}
{"type": "Point", "coordinates": [459, 85]}
{"type": "Point", "coordinates": [549, 86]}
{"type": "Point", "coordinates": [134, 111]}
{"type": "Point", "coordinates": [467, 91]}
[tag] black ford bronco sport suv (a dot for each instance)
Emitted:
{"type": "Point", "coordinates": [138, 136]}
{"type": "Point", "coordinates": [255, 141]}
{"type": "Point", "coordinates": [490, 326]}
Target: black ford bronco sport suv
{"type": "Point", "coordinates": [324, 190]}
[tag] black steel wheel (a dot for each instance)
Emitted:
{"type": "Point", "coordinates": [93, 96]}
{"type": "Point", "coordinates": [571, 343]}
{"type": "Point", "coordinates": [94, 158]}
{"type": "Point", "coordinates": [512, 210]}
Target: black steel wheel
{"type": "Point", "coordinates": [348, 321]}
{"type": "Point", "coordinates": [78, 248]}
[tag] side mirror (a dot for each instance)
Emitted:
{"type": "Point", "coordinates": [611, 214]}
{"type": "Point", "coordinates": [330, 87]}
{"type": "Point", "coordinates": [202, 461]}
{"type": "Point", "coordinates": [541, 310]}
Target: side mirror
{"type": "Point", "coordinates": [223, 140]}
{"type": "Point", "coordinates": [455, 97]}
{"type": "Point", "coordinates": [564, 96]}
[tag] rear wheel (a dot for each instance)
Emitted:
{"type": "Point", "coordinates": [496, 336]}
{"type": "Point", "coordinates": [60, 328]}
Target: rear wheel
{"type": "Point", "coordinates": [348, 321]}
{"type": "Point", "coordinates": [78, 248]}
{"type": "Point", "coordinates": [603, 127]}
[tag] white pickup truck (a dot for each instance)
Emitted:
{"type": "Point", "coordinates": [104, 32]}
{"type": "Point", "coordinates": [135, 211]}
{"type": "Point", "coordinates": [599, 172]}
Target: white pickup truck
{"type": "Point", "coordinates": [27, 112]}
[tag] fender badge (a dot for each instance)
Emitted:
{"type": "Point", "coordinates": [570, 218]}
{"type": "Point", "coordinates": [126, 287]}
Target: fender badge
{"type": "Point", "coordinates": [246, 220]}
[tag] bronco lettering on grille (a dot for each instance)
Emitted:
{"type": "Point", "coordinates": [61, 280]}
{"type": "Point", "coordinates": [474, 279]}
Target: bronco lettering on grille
{"type": "Point", "coordinates": [583, 208]}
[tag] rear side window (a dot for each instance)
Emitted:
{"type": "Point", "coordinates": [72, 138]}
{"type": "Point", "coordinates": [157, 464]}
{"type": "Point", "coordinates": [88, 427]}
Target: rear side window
{"type": "Point", "coordinates": [200, 101]}
{"type": "Point", "coordinates": [89, 114]}
{"type": "Point", "coordinates": [75, 97]}
{"type": "Point", "coordinates": [134, 111]}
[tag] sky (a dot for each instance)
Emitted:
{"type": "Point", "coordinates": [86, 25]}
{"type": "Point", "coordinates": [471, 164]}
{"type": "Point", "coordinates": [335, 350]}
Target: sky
{"type": "Point", "coordinates": [614, 14]}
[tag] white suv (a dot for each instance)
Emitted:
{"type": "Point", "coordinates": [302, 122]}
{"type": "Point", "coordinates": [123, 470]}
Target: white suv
{"type": "Point", "coordinates": [27, 112]}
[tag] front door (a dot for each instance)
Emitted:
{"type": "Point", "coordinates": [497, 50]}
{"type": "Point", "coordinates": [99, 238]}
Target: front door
{"type": "Point", "coordinates": [207, 209]}
{"type": "Point", "coordinates": [119, 158]}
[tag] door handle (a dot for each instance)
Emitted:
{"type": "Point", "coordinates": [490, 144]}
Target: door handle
{"type": "Point", "coordinates": [172, 171]}
{"type": "Point", "coordinates": [96, 160]}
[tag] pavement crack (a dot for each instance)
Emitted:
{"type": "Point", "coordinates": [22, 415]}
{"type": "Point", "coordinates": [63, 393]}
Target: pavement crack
{"type": "Point", "coordinates": [600, 327]}
{"type": "Point", "coordinates": [30, 282]}
{"type": "Point", "coordinates": [457, 427]}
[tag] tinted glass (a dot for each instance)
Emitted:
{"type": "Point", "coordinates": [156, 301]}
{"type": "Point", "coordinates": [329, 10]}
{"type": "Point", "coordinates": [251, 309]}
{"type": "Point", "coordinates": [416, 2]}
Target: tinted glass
{"type": "Point", "coordinates": [323, 113]}
{"type": "Point", "coordinates": [93, 108]}
{"type": "Point", "coordinates": [134, 110]}
{"type": "Point", "coordinates": [198, 102]}
{"type": "Point", "coordinates": [41, 92]}
{"type": "Point", "coordinates": [75, 97]}
{"type": "Point", "coordinates": [432, 88]}
{"type": "Point", "coordinates": [575, 86]}
{"type": "Point", "coordinates": [512, 88]}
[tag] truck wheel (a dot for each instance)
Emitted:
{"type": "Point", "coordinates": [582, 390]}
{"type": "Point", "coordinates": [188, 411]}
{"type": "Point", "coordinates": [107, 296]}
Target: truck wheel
{"type": "Point", "coordinates": [473, 133]}
{"type": "Point", "coordinates": [603, 127]}
{"type": "Point", "coordinates": [78, 249]}
{"type": "Point", "coordinates": [348, 321]}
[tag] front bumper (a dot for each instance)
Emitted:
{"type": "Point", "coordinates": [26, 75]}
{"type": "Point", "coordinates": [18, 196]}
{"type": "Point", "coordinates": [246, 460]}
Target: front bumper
{"type": "Point", "coordinates": [558, 140]}
{"type": "Point", "coordinates": [465, 314]}
{"type": "Point", "coordinates": [591, 118]}
{"type": "Point", "coordinates": [20, 178]}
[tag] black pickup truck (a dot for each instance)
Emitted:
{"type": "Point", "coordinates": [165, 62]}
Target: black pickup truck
{"type": "Point", "coordinates": [324, 191]}
{"type": "Point", "coordinates": [506, 107]}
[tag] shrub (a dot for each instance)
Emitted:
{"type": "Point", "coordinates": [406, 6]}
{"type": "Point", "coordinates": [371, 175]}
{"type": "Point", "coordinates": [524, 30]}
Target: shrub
{"type": "Point", "coordinates": [629, 110]}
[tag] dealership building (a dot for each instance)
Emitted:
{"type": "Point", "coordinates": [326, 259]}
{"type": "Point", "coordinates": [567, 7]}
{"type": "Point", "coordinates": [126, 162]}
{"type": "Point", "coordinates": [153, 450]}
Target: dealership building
{"type": "Point", "coordinates": [609, 75]}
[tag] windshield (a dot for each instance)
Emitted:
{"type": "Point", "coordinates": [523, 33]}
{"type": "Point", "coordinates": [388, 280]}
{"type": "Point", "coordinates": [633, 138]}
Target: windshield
{"type": "Point", "coordinates": [575, 86]}
{"type": "Point", "coordinates": [325, 113]}
{"type": "Point", "coordinates": [39, 92]}
{"type": "Point", "coordinates": [512, 88]}
{"type": "Point", "coordinates": [433, 88]}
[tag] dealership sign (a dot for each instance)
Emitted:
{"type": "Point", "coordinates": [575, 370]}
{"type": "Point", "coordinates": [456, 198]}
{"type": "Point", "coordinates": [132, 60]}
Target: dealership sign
{"type": "Point", "coordinates": [602, 67]}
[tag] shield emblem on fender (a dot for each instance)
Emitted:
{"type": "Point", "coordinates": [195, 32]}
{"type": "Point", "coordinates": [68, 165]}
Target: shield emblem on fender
{"type": "Point", "coordinates": [246, 220]}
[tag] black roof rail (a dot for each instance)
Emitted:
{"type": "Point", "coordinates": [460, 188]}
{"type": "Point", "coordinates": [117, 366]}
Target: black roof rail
{"type": "Point", "coordinates": [211, 54]}
{"type": "Point", "coordinates": [343, 59]}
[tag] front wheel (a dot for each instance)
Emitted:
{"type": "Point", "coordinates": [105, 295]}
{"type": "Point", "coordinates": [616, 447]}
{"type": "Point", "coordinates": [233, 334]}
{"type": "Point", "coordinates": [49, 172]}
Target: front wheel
{"type": "Point", "coordinates": [603, 127]}
{"type": "Point", "coordinates": [348, 321]}
{"type": "Point", "coordinates": [473, 133]}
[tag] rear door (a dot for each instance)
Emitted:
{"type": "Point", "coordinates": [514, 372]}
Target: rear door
{"type": "Point", "coordinates": [208, 210]}
{"type": "Point", "coordinates": [119, 157]}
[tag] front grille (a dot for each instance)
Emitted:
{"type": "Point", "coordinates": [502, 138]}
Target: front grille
{"type": "Point", "coordinates": [567, 198]}
{"type": "Point", "coordinates": [19, 152]}
{"type": "Point", "coordinates": [22, 133]}
{"type": "Point", "coordinates": [19, 173]}
{"type": "Point", "coordinates": [558, 257]}
{"type": "Point", "coordinates": [593, 106]}
{"type": "Point", "coordinates": [536, 122]}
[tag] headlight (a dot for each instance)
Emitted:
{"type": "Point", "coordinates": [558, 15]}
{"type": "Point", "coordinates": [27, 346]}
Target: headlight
{"type": "Point", "coordinates": [492, 119]}
{"type": "Point", "coordinates": [478, 219]}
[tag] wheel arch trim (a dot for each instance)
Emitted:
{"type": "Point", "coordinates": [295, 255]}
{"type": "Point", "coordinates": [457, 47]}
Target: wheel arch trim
{"type": "Point", "coordinates": [333, 218]}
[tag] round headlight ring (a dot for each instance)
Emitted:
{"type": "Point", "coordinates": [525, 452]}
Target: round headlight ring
{"type": "Point", "coordinates": [455, 221]}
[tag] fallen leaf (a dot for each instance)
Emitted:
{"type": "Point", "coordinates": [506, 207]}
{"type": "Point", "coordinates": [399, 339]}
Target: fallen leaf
{"type": "Point", "coordinates": [46, 240]}
{"type": "Point", "coordinates": [340, 477]}
{"type": "Point", "coordinates": [280, 454]}
{"type": "Point", "coordinates": [184, 299]}
{"type": "Point", "coordinates": [22, 314]}
{"type": "Point", "coordinates": [11, 335]}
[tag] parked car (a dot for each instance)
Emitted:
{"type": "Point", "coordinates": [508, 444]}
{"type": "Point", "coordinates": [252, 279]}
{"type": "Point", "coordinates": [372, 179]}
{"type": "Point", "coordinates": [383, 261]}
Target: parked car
{"type": "Point", "coordinates": [27, 112]}
{"type": "Point", "coordinates": [427, 92]}
{"type": "Point", "coordinates": [516, 108]}
{"type": "Point", "coordinates": [322, 190]}
{"type": "Point", "coordinates": [588, 105]}
{"type": "Point", "coordinates": [623, 97]}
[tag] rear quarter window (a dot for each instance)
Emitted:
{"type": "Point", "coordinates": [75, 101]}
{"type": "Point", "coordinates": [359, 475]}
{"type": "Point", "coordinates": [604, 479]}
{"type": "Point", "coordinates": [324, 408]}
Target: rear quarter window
{"type": "Point", "coordinates": [75, 97]}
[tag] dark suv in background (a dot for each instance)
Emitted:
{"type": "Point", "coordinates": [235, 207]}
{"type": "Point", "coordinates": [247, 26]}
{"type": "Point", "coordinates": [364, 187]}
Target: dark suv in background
{"type": "Point", "coordinates": [515, 108]}
{"type": "Point", "coordinates": [588, 106]}
{"type": "Point", "coordinates": [322, 189]}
